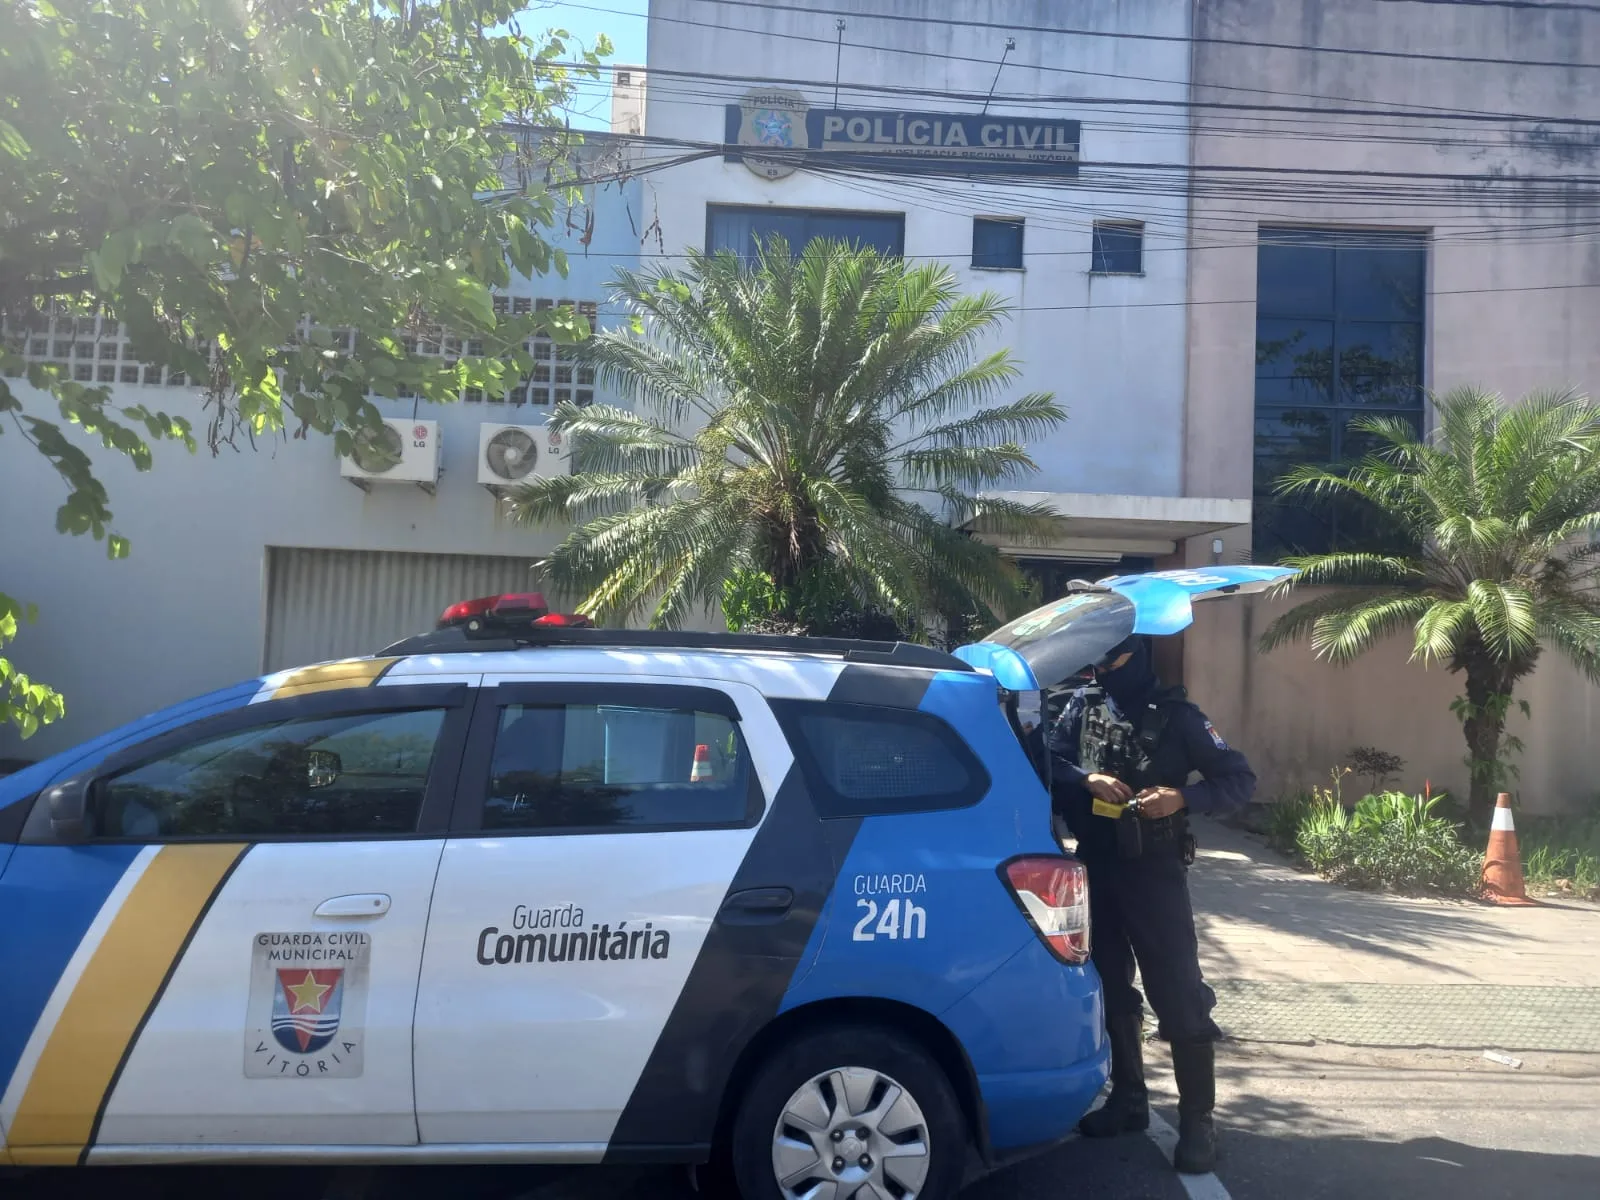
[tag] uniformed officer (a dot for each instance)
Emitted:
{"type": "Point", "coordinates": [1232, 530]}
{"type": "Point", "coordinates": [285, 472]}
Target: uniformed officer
{"type": "Point", "coordinates": [1123, 751]}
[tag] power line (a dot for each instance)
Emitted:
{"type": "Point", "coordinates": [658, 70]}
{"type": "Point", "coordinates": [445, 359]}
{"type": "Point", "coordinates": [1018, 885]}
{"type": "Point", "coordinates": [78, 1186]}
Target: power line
{"type": "Point", "coordinates": [1170, 38]}
{"type": "Point", "coordinates": [1268, 127]}
{"type": "Point", "coordinates": [1416, 110]}
{"type": "Point", "coordinates": [1526, 5]}
{"type": "Point", "coordinates": [1118, 306]}
{"type": "Point", "coordinates": [1353, 241]}
{"type": "Point", "coordinates": [813, 157]}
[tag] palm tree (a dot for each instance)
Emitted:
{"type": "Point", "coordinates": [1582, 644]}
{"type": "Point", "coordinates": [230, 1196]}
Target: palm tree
{"type": "Point", "coordinates": [1503, 507]}
{"type": "Point", "coordinates": [828, 414]}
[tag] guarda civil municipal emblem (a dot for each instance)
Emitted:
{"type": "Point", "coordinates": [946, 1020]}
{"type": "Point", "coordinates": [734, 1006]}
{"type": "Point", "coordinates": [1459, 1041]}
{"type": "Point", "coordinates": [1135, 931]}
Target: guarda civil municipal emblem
{"type": "Point", "coordinates": [776, 119]}
{"type": "Point", "coordinates": [308, 999]}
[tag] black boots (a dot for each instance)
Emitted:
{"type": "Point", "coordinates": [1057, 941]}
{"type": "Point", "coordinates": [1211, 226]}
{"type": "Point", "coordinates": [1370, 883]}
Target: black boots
{"type": "Point", "coordinates": [1127, 1109]}
{"type": "Point", "coordinates": [1194, 1066]}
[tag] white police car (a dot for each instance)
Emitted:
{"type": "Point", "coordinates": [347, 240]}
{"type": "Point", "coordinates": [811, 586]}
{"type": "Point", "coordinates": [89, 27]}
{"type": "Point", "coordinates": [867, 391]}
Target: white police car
{"type": "Point", "coordinates": [516, 891]}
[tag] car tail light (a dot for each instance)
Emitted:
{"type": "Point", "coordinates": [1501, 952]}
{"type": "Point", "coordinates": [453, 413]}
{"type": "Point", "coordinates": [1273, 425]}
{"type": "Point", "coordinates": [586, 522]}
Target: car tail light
{"type": "Point", "coordinates": [1053, 893]}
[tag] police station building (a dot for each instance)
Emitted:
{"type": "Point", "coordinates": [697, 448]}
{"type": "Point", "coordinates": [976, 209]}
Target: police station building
{"type": "Point", "coordinates": [906, 133]}
{"type": "Point", "coordinates": [1225, 228]}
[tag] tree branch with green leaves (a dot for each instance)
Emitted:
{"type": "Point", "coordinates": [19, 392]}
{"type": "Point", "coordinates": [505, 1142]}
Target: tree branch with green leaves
{"type": "Point", "coordinates": [275, 201]}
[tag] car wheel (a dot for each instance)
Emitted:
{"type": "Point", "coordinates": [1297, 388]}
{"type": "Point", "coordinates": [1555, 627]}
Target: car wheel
{"type": "Point", "coordinates": [851, 1111]}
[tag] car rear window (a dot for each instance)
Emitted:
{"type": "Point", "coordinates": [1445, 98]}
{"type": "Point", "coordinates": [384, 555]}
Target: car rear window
{"type": "Point", "coordinates": [569, 767]}
{"type": "Point", "coordinates": [864, 760]}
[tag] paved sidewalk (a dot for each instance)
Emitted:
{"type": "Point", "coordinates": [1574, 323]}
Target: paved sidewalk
{"type": "Point", "coordinates": [1293, 958]}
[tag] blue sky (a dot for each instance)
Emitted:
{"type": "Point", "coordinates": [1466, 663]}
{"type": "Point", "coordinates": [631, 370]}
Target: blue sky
{"type": "Point", "coordinates": [623, 21]}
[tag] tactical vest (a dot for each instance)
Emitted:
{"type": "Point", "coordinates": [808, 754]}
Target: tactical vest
{"type": "Point", "coordinates": [1110, 744]}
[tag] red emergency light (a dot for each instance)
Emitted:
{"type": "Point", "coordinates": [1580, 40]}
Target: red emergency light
{"type": "Point", "coordinates": [509, 610]}
{"type": "Point", "coordinates": [565, 621]}
{"type": "Point", "coordinates": [521, 603]}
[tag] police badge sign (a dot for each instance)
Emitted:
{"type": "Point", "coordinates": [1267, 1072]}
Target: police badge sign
{"type": "Point", "coordinates": [308, 1001]}
{"type": "Point", "coordinates": [776, 119]}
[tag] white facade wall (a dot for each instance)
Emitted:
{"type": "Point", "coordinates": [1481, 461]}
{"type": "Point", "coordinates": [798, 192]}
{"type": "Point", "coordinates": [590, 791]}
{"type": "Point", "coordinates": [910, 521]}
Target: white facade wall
{"type": "Point", "coordinates": [186, 612]}
{"type": "Point", "coordinates": [1110, 347]}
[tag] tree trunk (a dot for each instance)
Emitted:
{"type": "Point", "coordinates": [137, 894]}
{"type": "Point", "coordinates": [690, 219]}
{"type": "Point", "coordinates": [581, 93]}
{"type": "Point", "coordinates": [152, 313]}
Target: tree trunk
{"type": "Point", "coordinates": [1484, 726]}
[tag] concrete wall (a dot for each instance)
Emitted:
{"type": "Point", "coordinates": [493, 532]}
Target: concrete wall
{"type": "Point", "coordinates": [1297, 717]}
{"type": "Point", "coordinates": [185, 612]}
{"type": "Point", "coordinates": [1513, 305]}
{"type": "Point", "coordinates": [1110, 348]}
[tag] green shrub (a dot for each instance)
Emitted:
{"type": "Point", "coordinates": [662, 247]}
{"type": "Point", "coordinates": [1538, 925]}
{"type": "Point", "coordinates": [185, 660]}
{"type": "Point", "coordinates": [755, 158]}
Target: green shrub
{"type": "Point", "coordinates": [1283, 822]}
{"type": "Point", "coordinates": [1561, 854]}
{"type": "Point", "coordinates": [1390, 841]}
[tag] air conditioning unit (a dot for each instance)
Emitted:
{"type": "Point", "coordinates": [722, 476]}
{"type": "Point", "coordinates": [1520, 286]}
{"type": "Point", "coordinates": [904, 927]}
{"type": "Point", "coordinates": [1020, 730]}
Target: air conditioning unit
{"type": "Point", "coordinates": [513, 454]}
{"type": "Point", "coordinates": [399, 451]}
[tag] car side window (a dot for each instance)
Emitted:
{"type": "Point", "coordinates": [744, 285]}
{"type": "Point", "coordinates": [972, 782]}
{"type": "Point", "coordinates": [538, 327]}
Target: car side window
{"type": "Point", "coordinates": [347, 774]}
{"type": "Point", "coordinates": [865, 760]}
{"type": "Point", "coordinates": [603, 766]}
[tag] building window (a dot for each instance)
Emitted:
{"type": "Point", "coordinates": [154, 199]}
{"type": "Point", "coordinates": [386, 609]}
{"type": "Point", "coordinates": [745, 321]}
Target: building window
{"type": "Point", "coordinates": [624, 79]}
{"type": "Point", "coordinates": [996, 244]}
{"type": "Point", "coordinates": [1339, 334]}
{"type": "Point", "coordinates": [556, 376]}
{"type": "Point", "coordinates": [742, 228]}
{"type": "Point", "coordinates": [1118, 248]}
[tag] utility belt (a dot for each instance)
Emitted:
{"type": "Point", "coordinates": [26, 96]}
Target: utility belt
{"type": "Point", "coordinates": [1138, 837]}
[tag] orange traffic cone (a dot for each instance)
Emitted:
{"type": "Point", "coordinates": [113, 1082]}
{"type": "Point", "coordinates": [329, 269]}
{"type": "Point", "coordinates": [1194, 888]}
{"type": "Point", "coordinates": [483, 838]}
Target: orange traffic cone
{"type": "Point", "coordinates": [701, 771]}
{"type": "Point", "coordinates": [1502, 865]}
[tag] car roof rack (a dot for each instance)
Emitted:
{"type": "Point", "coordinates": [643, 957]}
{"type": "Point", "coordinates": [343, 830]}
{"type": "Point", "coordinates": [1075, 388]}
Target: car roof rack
{"type": "Point", "coordinates": [457, 641]}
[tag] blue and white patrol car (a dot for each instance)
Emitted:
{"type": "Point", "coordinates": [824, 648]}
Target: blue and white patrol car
{"type": "Point", "coordinates": [522, 891]}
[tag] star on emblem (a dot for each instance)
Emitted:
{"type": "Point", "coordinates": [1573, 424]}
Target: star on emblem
{"type": "Point", "coordinates": [308, 994]}
{"type": "Point", "coordinates": [772, 128]}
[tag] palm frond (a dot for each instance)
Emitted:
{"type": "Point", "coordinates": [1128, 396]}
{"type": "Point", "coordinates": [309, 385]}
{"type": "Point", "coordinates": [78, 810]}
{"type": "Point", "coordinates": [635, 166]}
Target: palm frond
{"type": "Point", "coordinates": [1572, 626]}
{"type": "Point", "coordinates": [799, 409]}
{"type": "Point", "coordinates": [1352, 569]}
{"type": "Point", "coordinates": [1502, 501]}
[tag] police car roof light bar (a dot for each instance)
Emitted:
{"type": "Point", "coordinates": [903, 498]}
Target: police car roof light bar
{"type": "Point", "coordinates": [503, 606]}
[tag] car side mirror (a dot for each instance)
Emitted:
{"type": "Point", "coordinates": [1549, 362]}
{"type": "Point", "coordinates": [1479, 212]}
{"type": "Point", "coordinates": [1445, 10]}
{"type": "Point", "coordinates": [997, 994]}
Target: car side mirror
{"type": "Point", "coordinates": [69, 810]}
{"type": "Point", "coordinates": [323, 768]}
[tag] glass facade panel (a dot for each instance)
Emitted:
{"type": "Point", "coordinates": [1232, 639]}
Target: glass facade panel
{"type": "Point", "coordinates": [1339, 335]}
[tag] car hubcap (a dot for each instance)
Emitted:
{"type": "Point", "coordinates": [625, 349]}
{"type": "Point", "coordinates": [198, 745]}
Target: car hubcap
{"type": "Point", "coordinates": [851, 1134]}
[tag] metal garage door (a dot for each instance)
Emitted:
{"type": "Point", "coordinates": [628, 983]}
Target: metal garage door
{"type": "Point", "coordinates": [324, 604]}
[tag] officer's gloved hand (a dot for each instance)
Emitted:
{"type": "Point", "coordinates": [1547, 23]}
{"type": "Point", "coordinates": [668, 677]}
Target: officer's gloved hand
{"type": "Point", "coordinates": [1108, 788]}
{"type": "Point", "coordinates": [1158, 802]}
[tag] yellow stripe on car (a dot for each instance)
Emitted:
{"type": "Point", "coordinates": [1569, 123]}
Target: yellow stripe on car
{"type": "Point", "coordinates": [121, 985]}
{"type": "Point", "coordinates": [329, 677]}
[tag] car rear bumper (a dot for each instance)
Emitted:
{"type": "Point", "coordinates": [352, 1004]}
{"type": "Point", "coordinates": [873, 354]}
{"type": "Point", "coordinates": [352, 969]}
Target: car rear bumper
{"type": "Point", "coordinates": [1034, 1032]}
{"type": "Point", "coordinates": [1030, 1111]}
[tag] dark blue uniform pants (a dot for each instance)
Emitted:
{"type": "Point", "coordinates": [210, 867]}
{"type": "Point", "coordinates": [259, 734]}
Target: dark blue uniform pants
{"type": "Point", "coordinates": [1140, 912]}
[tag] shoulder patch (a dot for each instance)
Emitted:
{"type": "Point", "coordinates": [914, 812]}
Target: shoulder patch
{"type": "Point", "coordinates": [1216, 738]}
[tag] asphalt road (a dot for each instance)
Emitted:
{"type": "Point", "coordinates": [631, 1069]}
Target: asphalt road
{"type": "Point", "coordinates": [1316, 1122]}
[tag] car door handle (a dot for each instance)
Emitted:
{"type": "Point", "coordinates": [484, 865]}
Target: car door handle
{"type": "Point", "coordinates": [756, 905]}
{"type": "Point", "coordinates": [363, 904]}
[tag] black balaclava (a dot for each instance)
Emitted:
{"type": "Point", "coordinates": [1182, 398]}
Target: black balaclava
{"type": "Point", "coordinates": [1132, 683]}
